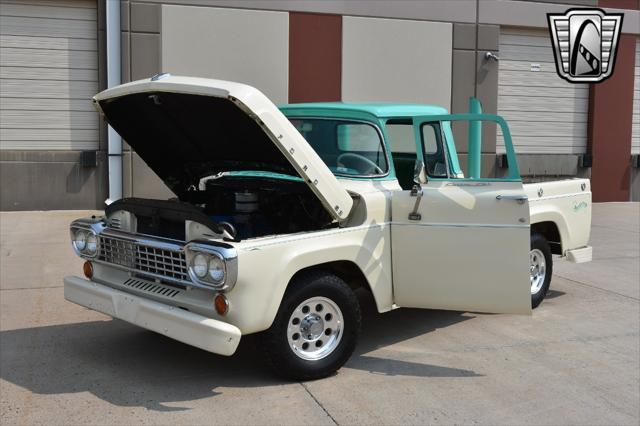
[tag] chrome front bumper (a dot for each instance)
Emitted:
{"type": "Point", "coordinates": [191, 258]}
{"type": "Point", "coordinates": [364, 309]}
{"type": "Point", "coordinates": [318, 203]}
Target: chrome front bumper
{"type": "Point", "coordinates": [193, 329]}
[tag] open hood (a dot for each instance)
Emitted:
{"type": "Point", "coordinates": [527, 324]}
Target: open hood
{"type": "Point", "coordinates": [186, 128]}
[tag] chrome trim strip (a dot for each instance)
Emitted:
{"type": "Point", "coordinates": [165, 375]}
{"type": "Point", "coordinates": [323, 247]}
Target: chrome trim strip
{"type": "Point", "coordinates": [152, 275]}
{"type": "Point", "coordinates": [461, 225]}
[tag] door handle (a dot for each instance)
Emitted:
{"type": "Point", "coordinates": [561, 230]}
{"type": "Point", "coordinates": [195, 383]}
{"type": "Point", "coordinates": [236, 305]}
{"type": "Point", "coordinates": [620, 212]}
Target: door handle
{"type": "Point", "coordinates": [416, 191]}
{"type": "Point", "coordinates": [520, 199]}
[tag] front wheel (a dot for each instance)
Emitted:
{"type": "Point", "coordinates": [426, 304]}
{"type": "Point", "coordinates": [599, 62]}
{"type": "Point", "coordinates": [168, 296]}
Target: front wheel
{"type": "Point", "coordinates": [316, 328]}
{"type": "Point", "coordinates": [540, 268]}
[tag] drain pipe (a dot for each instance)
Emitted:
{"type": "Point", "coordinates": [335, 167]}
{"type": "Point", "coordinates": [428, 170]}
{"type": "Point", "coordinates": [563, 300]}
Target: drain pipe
{"type": "Point", "coordinates": [113, 79]}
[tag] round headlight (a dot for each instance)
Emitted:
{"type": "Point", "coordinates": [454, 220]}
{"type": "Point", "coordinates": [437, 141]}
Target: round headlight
{"type": "Point", "coordinates": [200, 265]}
{"type": "Point", "coordinates": [91, 243]}
{"type": "Point", "coordinates": [216, 269]}
{"type": "Point", "coordinates": [80, 240]}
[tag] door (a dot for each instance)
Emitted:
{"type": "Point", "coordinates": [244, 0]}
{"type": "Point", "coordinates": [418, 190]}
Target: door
{"type": "Point", "coordinates": [49, 72]}
{"type": "Point", "coordinates": [547, 114]}
{"type": "Point", "coordinates": [464, 244]}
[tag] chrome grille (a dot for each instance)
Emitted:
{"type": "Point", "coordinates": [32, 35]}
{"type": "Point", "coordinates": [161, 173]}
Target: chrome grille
{"type": "Point", "coordinates": [144, 259]}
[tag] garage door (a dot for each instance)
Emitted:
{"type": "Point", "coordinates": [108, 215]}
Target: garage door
{"type": "Point", "coordinates": [635, 138]}
{"type": "Point", "coordinates": [48, 73]}
{"type": "Point", "coordinates": [546, 114]}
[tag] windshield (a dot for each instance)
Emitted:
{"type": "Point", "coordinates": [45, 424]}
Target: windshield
{"type": "Point", "coordinates": [348, 148]}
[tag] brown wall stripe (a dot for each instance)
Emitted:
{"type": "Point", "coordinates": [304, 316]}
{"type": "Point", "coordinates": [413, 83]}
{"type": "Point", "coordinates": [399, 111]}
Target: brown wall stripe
{"type": "Point", "coordinates": [315, 57]}
{"type": "Point", "coordinates": [611, 112]}
{"type": "Point", "coordinates": [610, 119]}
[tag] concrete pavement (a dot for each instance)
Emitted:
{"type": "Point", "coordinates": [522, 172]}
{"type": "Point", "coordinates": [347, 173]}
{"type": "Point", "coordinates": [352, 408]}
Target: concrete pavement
{"type": "Point", "coordinates": [575, 361]}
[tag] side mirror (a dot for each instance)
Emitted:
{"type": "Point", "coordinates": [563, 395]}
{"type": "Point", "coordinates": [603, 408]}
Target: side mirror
{"type": "Point", "coordinates": [419, 173]}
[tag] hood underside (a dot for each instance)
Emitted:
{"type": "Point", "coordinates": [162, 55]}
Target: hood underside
{"type": "Point", "coordinates": [188, 128]}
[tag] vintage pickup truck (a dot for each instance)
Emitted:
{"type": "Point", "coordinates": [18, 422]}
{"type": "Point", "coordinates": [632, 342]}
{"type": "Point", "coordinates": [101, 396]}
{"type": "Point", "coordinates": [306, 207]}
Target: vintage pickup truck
{"type": "Point", "coordinates": [281, 213]}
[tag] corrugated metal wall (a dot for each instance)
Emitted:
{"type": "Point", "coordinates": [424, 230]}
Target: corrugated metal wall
{"type": "Point", "coordinates": [635, 138]}
{"type": "Point", "coordinates": [546, 114]}
{"type": "Point", "coordinates": [48, 73]}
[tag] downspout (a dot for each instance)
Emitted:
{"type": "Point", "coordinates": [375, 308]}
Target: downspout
{"type": "Point", "coordinates": [113, 79]}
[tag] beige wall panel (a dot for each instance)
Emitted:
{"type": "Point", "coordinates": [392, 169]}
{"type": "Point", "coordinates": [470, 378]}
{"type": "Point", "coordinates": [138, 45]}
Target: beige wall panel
{"type": "Point", "coordinates": [246, 46]}
{"type": "Point", "coordinates": [396, 61]}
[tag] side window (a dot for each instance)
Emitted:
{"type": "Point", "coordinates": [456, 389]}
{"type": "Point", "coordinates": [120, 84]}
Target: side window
{"type": "Point", "coordinates": [433, 150]}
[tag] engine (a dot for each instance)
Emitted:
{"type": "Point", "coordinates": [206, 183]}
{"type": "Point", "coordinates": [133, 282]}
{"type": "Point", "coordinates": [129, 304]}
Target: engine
{"type": "Point", "coordinates": [238, 208]}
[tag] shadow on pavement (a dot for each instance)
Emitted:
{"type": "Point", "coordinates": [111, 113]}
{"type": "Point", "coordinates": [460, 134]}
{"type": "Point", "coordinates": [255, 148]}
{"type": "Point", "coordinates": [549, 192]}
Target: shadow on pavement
{"type": "Point", "coordinates": [127, 366]}
{"type": "Point", "coordinates": [552, 294]}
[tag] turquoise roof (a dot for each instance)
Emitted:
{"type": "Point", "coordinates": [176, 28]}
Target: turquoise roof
{"type": "Point", "coordinates": [383, 110]}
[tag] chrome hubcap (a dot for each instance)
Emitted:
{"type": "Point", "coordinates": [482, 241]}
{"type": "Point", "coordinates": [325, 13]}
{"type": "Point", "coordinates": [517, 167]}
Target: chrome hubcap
{"type": "Point", "coordinates": [315, 328]}
{"type": "Point", "coordinates": [537, 270]}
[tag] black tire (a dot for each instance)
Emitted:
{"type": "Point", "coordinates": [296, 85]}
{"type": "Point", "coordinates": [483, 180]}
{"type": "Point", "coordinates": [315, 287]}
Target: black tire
{"type": "Point", "coordinates": [280, 355]}
{"type": "Point", "coordinates": [539, 242]}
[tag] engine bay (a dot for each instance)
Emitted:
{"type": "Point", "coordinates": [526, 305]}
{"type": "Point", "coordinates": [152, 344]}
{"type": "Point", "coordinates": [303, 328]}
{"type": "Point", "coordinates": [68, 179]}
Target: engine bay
{"type": "Point", "coordinates": [236, 207]}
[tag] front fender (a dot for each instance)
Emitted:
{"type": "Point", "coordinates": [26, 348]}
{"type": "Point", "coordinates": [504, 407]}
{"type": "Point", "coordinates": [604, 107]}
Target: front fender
{"type": "Point", "coordinates": [265, 269]}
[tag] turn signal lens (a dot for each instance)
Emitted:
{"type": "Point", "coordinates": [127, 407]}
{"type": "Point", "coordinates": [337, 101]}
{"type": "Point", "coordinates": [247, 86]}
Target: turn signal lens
{"type": "Point", "coordinates": [87, 268]}
{"type": "Point", "coordinates": [221, 303]}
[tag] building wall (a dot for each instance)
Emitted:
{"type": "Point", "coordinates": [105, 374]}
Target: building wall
{"type": "Point", "coordinates": [635, 131]}
{"type": "Point", "coordinates": [401, 63]}
{"type": "Point", "coordinates": [49, 69]}
{"type": "Point", "coordinates": [309, 51]}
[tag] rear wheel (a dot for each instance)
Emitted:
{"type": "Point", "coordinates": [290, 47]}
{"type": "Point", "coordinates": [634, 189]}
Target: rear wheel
{"type": "Point", "coordinates": [316, 328]}
{"type": "Point", "coordinates": [540, 268]}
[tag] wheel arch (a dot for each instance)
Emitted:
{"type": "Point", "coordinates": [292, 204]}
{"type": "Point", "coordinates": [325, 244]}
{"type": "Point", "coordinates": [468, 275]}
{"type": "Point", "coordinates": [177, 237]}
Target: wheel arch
{"type": "Point", "coordinates": [346, 270]}
{"type": "Point", "coordinates": [549, 230]}
{"type": "Point", "coordinates": [552, 225]}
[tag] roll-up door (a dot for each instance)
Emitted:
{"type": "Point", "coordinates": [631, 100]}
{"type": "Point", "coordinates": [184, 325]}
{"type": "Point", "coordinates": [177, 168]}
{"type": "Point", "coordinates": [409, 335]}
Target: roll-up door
{"type": "Point", "coordinates": [546, 114]}
{"type": "Point", "coordinates": [48, 73]}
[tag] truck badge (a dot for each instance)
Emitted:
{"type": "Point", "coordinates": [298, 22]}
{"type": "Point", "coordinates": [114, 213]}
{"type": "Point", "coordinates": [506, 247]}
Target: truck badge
{"type": "Point", "coordinates": [585, 43]}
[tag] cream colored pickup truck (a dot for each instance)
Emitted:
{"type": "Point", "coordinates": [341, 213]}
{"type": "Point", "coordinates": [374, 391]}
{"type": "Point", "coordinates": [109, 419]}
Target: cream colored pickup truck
{"type": "Point", "coordinates": [281, 213]}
